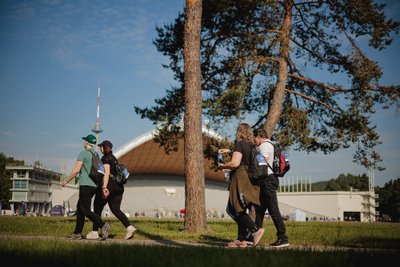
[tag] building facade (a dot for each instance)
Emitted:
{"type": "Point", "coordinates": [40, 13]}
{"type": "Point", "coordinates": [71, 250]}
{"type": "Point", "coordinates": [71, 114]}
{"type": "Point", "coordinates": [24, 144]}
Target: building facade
{"type": "Point", "coordinates": [31, 189]}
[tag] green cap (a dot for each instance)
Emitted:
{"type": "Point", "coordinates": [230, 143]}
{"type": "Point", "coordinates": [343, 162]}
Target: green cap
{"type": "Point", "coordinates": [91, 139]}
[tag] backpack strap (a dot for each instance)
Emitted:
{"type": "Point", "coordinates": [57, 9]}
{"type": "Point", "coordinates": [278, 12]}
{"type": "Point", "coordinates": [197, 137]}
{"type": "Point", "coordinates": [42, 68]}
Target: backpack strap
{"type": "Point", "coordinates": [273, 154]}
{"type": "Point", "coordinates": [84, 163]}
{"type": "Point", "coordinates": [115, 160]}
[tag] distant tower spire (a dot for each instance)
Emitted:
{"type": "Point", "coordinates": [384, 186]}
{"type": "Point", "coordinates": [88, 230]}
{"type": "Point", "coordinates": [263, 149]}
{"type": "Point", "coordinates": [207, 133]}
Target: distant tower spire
{"type": "Point", "coordinates": [96, 129]}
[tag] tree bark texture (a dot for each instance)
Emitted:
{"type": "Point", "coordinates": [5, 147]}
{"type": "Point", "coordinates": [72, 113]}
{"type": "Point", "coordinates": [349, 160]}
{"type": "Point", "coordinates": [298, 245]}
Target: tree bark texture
{"type": "Point", "coordinates": [195, 218]}
{"type": "Point", "coordinates": [276, 106]}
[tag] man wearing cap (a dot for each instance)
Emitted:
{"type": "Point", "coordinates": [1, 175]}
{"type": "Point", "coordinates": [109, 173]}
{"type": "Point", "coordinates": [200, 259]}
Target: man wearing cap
{"type": "Point", "coordinates": [111, 193]}
{"type": "Point", "coordinates": [87, 189]}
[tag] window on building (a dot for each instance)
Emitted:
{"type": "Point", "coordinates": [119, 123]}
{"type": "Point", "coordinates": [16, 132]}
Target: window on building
{"type": "Point", "coordinates": [351, 216]}
{"type": "Point", "coordinates": [20, 184]}
{"type": "Point", "coordinates": [21, 173]}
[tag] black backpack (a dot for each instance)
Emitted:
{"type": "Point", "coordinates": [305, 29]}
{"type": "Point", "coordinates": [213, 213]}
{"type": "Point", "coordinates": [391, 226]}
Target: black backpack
{"type": "Point", "coordinates": [281, 164]}
{"type": "Point", "coordinates": [97, 170]}
{"type": "Point", "coordinates": [122, 173]}
{"type": "Point", "coordinates": [258, 166]}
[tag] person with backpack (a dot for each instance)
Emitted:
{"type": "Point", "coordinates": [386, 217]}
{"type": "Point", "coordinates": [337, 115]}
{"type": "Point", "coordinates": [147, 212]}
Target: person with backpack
{"type": "Point", "coordinates": [111, 192]}
{"type": "Point", "coordinates": [242, 193]}
{"type": "Point", "coordinates": [87, 189]}
{"type": "Point", "coordinates": [268, 190]}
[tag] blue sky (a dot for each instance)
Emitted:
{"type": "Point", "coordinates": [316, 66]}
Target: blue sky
{"type": "Point", "coordinates": [53, 53]}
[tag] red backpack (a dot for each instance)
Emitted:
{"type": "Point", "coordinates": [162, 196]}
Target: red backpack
{"type": "Point", "coordinates": [280, 164]}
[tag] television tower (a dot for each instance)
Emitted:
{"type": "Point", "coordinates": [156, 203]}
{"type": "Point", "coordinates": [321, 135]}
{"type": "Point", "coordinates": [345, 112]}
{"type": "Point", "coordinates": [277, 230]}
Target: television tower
{"type": "Point", "coordinates": [96, 129]}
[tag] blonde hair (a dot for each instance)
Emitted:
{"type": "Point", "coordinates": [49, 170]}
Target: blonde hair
{"type": "Point", "coordinates": [244, 132]}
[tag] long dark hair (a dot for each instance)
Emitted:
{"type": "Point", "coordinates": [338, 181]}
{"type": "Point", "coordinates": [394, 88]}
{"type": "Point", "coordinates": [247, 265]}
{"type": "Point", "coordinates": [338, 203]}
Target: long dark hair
{"type": "Point", "coordinates": [244, 132]}
{"type": "Point", "coordinates": [107, 152]}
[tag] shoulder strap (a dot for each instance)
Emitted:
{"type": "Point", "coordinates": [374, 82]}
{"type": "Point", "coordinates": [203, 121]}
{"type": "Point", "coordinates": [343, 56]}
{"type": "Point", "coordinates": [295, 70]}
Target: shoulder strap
{"type": "Point", "coordinates": [269, 166]}
{"type": "Point", "coordinates": [84, 163]}
{"type": "Point", "coordinates": [252, 146]}
{"type": "Point", "coordinates": [115, 160]}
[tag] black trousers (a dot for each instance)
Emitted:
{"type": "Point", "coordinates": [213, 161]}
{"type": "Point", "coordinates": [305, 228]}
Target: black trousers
{"type": "Point", "coordinates": [246, 226]}
{"type": "Point", "coordinates": [114, 200]}
{"type": "Point", "coordinates": [83, 210]}
{"type": "Point", "coordinates": [269, 201]}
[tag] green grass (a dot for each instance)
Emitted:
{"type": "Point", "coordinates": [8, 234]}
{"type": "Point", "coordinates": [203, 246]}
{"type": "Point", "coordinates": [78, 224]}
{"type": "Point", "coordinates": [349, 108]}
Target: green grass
{"type": "Point", "coordinates": [374, 243]}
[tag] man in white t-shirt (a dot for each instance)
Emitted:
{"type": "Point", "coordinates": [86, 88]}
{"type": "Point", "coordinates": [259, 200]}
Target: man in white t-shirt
{"type": "Point", "coordinates": [268, 191]}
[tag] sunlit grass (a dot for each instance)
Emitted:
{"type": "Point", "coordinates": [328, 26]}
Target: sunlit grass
{"type": "Point", "coordinates": [375, 243]}
{"type": "Point", "coordinates": [348, 234]}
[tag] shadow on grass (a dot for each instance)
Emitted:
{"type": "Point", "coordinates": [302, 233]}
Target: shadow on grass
{"type": "Point", "coordinates": [158, 239]}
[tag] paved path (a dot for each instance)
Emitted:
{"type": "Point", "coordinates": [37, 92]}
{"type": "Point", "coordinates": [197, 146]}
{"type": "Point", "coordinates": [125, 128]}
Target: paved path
{"type": "Point", "coordinates": [182, 243]}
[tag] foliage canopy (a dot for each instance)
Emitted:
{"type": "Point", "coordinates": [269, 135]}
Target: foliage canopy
{"type": "Point", "coordinates": [263, 58]}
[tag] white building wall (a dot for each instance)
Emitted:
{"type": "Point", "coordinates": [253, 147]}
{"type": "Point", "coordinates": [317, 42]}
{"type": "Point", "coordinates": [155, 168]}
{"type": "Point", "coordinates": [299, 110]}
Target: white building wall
{"type": "Point", "coordinates": [313, 202]}
{"type": "Point", "coordinates": [166, 194]}
{"type": "Point", "coordinates": [61, 194]}
{"type": "Point", "coordinates": [330, 204]}
{"type": "Point", "coordinates": [151, 194]}
{"type": "Point", "coordinates": [348, 201]}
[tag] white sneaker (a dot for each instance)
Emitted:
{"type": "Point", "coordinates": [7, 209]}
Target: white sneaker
{"type": "Point", "coordinates": [93, 235]}
{"type": "Point", "coordinates": [130, 231]}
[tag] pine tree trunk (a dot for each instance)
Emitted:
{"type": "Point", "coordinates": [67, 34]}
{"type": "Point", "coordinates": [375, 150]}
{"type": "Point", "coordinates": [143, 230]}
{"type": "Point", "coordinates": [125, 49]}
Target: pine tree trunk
{"type": "Point", "coordinates": [195, 218]}
{"type": "Point", "coordinates": [276, 106]}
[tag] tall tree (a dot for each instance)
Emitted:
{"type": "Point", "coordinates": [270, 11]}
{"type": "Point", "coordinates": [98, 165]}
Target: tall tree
{"type": "Point", "coordinates": [265, 58]}
{"type": "Point", "coordinates": [5, 179]}
{"type": "Point", "coordinates": [195, 218]}
{"type": "Point", "coordinates": [389, 200]}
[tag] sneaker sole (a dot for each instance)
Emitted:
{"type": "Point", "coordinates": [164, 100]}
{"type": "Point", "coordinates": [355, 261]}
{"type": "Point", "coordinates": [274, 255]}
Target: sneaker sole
{"type": "Point", "coordinates": [130, 236]}
{"type": "Point", "coordinates": [249, 243]}
{"type": "Point", "coordinates": [280, 246]}
{"type": "Point", "coordinates": [106, 232]}
{"type": "Point", "coordinates": [74, 238]}
{"type": "Point", "coordinates": [256, 242]}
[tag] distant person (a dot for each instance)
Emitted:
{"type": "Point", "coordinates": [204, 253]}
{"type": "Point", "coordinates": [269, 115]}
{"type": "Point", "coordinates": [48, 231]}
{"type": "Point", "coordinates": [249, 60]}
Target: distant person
{"type": "Point", "coordinates": [111, 193]}
{"type": "Point", "coordinates": [242, 193]}
{"type": "Point", "coordinates": [268, 191]}
{"type": "Point", "coordinates": [87, 189]}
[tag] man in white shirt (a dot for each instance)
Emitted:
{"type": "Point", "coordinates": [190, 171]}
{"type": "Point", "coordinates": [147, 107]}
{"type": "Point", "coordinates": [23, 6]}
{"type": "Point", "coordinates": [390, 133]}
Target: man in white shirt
{"type": "Point", "coordinates": [268, 191]}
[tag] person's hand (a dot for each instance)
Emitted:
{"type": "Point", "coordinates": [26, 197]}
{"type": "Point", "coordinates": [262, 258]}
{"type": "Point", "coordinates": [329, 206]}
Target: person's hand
{"type": "Point", "coordinates": [105, 193]}
{"type": "Point", "coordinates": [64, 182]}
{"type": "Point", "coordinates": [224, 150]}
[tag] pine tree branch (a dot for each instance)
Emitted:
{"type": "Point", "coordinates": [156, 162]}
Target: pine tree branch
{"type": "Point", "coordinates": [315, 54]}
{"type": "Point", "coordinates": [313, 100]}
{"type": "Point", "coordinates": [331, 88]}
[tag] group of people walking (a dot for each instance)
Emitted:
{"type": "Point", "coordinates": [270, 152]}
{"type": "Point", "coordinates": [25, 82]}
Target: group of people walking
{"type": "Point", "coordinates": [109, 191]}
{"type": "Point", "coordinates": [249, 200]}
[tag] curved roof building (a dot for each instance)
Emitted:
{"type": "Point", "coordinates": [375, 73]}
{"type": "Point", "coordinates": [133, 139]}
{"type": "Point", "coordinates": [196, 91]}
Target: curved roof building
{"type": "Point", "coordinates": [143, 155]}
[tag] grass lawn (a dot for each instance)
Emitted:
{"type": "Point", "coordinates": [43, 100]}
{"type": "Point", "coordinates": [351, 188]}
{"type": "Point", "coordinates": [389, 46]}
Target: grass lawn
{"type": "Point", "coordinates": [350, 244]}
